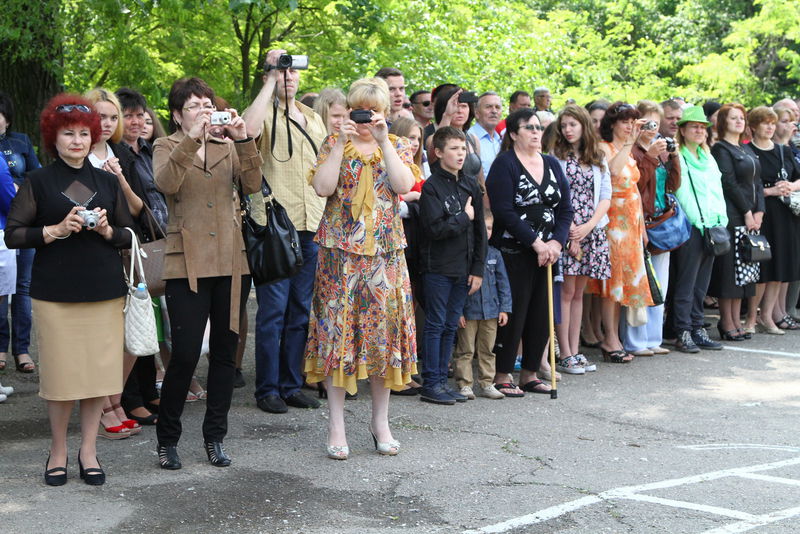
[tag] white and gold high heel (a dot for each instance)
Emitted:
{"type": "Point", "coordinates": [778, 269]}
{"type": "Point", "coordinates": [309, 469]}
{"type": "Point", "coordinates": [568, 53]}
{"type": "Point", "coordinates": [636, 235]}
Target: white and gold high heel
{"type": "Point", "coordinates": [389, 448]}
{"type": "Point", "coordinates": [338, 452]}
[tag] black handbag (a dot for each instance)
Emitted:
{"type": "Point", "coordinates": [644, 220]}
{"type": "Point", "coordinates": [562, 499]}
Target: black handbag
{"type": "Point", "coordinates": [273, 251]}
{"type": "Point", "coordinates": [716, 239]}
{"type": "Point", "coordinates": [652, 280]}
{"type": "Point", "coordinates": [754, 247]}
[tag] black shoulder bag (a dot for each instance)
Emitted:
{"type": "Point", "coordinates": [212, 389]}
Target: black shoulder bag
{"type": "Point", "coordinates": [273, 251]}
{"type": "Point", "coordinates": [716, 239]}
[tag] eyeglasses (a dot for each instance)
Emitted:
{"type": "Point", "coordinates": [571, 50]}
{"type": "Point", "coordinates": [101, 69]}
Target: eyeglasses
{"type": "Point", "coordinates": [66, 108]}
{"type": "Point", "coordinates": [532, 127]}
{"type": "Point", "coordinates": [197, 107]}
{"type": "Point", "coordinates": [407, 105]}
{"type": "Point", "coordinates": [424, 104]}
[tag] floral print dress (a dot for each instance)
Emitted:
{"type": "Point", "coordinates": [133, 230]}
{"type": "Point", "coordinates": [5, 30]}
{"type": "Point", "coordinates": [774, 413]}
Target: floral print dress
{"type": "Point", "coordinates": [362, 317]}
{"type": "Point", "coordinates": [594, 259]}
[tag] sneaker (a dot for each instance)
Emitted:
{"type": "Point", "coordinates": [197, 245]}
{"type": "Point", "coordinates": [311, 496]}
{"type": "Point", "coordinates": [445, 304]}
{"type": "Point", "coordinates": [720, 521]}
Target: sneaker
{"type": "Point", "coordinates": [571, 366]}
{"type": "Point", "coordinates": [2, 397]}
{"type": "Point", "coordinates": [436, 396]}
{"type": "Point", "coordinates": [490, 392]}
{"type": "Point", "coordinates": [6, 390]}
{"type": "Point", "coordinates": [467, 392]}
{"type": "Point", "coordinates": [685, 343]}
{"type": "Point", "coordinates": [590, 367]}
{"type": "Point", "coordinates": [701, 339]}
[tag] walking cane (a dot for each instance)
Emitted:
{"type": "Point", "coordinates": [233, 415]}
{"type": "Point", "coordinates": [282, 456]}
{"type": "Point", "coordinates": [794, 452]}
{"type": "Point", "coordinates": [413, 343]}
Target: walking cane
{"type": "Point", "coordinates": [551, 319]}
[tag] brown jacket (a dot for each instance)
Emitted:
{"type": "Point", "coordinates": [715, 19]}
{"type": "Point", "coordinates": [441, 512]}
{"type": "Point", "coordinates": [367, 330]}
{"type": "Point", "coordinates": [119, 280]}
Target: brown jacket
{"type": "Point", "coordinates": [204, 236]}
{"type": "Point", "coordinates": [647, 180]}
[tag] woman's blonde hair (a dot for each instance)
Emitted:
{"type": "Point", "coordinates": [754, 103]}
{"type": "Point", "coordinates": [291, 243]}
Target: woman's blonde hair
{"type": "Point", "coordinates": [369, 93]}
{"type": "Point", "coordinates": [327, 98]}
{"type": "Point", "coordinates": [403, 127]}
{"type": "Point", "coordinates": [98, 94]}
{"type": "Point", "coordinates": [646, 107]}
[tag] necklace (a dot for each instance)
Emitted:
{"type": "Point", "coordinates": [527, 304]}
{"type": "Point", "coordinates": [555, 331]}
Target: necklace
{"type": "Point", "coordinates": [771, 145]}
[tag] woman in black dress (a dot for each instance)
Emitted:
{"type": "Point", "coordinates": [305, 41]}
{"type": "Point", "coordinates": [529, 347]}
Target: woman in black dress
{"type": "Point", "coordinates": [779, 175]}
{"type": "Point", "coordinates": [744, 201]}
{"type": "Point", "coordinates": [530, 200]}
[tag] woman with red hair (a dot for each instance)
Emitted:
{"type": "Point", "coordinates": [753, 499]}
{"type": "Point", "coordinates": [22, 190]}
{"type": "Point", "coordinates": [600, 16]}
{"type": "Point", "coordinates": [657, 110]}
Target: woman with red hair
{"type": "Point", "coordinates": [75, 216]}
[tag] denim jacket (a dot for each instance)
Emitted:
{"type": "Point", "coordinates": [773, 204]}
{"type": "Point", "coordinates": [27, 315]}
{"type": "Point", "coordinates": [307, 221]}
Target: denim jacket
{"type": "Point", "coordinates": [494, 296]}
{"type": "Point", "coordinates": [17, 150]}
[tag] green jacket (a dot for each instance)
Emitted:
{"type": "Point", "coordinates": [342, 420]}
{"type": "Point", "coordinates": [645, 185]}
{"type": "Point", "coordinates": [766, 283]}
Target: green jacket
{"type": "Point", "coordinates": [703, 174]}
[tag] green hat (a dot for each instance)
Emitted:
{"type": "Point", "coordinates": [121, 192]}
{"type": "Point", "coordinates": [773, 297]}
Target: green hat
{"type": "Point", "coordinates": [693, 114]}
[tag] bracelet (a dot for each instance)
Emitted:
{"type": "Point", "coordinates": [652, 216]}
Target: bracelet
{"type": "Point", "coordinates": [627, 144]}
{"type": "Point", "coordinates": [55, 237]}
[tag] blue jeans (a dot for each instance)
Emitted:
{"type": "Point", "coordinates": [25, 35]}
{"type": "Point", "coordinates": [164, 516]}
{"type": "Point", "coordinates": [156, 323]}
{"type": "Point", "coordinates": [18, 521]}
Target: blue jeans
{"type": "Point", "coordinates": [444, 304]}
{"type": "Point", "coordinates": [20, 308]}
{"type": "Point", "coordinates": [282, 327]}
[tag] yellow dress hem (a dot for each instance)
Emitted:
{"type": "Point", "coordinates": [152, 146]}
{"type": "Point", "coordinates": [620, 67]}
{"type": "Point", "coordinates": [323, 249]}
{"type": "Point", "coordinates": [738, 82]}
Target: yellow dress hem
{"type": "Point", "coordinates": [395, 378]}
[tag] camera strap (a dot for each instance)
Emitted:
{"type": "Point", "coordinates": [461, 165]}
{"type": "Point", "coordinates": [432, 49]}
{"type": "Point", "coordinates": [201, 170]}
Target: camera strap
{"type": "Point", "coordinates": [289, 122]}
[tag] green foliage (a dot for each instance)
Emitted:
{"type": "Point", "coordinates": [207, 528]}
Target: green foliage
{"type": "Point", "coordinates": [583, 49]}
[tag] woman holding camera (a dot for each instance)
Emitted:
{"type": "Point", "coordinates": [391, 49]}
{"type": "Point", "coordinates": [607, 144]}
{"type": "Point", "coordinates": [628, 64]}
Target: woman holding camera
{"type": "Point", "coordinates": [659, 174]}
{"type": "Point", "coordinates": [75, 216]}
{"type": "Point", "coordinates": [627, 285]}
{"type": "Point", "coordinates": [199, 168]}
{"type": "Point", "coordinates": [362, 317]}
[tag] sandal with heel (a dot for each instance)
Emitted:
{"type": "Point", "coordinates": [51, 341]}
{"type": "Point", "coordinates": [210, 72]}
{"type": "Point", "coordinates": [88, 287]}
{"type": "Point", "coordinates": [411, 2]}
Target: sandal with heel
{"type": "Point", "coordinates": [616, 356]}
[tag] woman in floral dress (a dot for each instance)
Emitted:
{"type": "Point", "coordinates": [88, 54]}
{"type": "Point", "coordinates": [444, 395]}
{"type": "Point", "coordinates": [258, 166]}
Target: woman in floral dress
{"type": "Point", "coordinates": [362, 319]}
{"type": "Point", "coordinates": [586, 255]}
{"type": "Point", "coordinates": [628, 285]}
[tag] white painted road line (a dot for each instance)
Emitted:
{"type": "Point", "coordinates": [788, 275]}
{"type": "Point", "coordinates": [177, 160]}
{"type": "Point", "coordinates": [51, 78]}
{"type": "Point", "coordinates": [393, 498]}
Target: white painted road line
{"type": "Point", "coordinates": [767, 478]}
{"type": "Point", "coordinates": [758, 351]}
{"type": "Point", "coordinates": [759, 521]}
{"type": "Point", "coordinates": [749, 521]}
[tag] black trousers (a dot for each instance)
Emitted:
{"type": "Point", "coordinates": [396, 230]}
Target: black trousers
{"type": "Point", "coordinates": [188, 312]}
{"type": "Point", "coordinates": [692, 274]}
{"type": "Point", "coordinates": [528, 321]}
{"type": "Point", "coordinates": [140, 388]}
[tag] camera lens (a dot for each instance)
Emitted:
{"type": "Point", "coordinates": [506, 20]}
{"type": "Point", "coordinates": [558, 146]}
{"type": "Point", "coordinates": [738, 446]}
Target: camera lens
{"type": "Point", "coordinates": [285, 61]}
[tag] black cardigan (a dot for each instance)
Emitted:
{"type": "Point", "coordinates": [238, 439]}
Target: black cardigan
{"type": "Point", "coordinates": [83, 267]}
{"type": "Point", "coordinates": [741, 180]}
{"type": "Point", "coordinates": [501, 185]}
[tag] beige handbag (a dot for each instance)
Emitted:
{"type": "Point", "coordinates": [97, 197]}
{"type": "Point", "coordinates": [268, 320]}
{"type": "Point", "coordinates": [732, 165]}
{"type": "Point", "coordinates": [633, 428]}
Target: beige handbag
{"type": "Point", "coordinates": [141, 335]}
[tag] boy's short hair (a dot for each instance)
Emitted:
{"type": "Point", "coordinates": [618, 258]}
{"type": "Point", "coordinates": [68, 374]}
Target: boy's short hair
{"type": "Point", "coordinates": [443, 135]}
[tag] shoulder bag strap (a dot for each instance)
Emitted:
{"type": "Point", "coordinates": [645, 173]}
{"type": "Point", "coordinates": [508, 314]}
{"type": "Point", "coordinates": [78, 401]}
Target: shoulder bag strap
{"type": "Point", "coordinates": [694, 193]}
{"type": "Point", "coordinates": [136, 260]}
{"type": "Point", "coordinates": [305, 133]}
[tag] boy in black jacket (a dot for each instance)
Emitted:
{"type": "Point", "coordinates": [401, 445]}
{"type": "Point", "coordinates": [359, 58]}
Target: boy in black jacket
{"type": "Point", "coordinates": [452, 256]}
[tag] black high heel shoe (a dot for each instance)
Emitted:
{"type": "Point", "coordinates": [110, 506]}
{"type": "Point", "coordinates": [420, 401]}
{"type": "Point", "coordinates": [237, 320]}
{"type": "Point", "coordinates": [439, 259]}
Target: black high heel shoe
{"type": "Point", "coordinates": [168, 457]}
{"type": "Point", "coordinates": [93, 476]}
{"type": "Point", "coordinates": [216, 454]}
{"type": "Point", "coordinates": [55, 480]}
{"type": "Point", "coordinates": [730, 335]}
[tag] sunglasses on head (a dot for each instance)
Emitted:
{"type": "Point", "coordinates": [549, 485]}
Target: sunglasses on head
{"type": "Point", "coordinates": [625, 107]}
{"type": "Point", "coordinates": [532, 127]}
{"type": "Point", "coordinates": [66, 108]}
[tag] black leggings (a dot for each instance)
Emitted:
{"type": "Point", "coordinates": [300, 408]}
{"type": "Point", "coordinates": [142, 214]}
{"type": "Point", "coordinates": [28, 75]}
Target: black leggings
{"type": "Point", "coordinates": [188, 312]}
{"type": "Point", "coordinates": [529, 320]}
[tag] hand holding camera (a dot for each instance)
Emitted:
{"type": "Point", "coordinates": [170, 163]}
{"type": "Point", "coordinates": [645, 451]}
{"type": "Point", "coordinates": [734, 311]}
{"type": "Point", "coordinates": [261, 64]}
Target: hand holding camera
{"type": "Point", "coordinates": [199, 129]}
{"type": "Point", "coordinates": [657, 148]}
{"type": "Point", "coordinates": [233, 123]}
{"type": "Point", "coordinates": [378, 128]}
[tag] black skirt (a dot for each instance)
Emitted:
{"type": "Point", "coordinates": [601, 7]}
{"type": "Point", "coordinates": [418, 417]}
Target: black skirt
{"type": "Point", "coordinates": [782, 230]}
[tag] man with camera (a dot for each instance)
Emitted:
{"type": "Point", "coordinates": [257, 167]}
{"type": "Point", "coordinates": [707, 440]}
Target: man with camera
{"type": "Point", "coordinates": [288, 134]}
{"type": "Point", "coordinates": [487, 116]}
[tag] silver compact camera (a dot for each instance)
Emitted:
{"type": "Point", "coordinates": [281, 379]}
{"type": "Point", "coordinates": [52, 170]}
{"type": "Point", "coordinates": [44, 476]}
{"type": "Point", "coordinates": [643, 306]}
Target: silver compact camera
{"type": "Point", "coordinates": [90, 218]}
{"type": "Point", "coordinates": [220, 117]}
{"type": "Point", "coordinates": [650, 125]}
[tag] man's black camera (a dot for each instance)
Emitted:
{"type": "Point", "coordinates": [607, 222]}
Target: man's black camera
{"type": "Point", "coordinates": [672, 146]}
{"type": "Point", "coordinates": [361, 116]}
{"type": "Point", "coordinates": [286, 61]}
{"type": "Point", "coordinates": [467, 97]}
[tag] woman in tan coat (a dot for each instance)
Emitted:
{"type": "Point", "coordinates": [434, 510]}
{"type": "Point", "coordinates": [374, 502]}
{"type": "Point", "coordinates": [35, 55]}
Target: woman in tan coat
{"type": "Point", "coordinates": [199, 168]}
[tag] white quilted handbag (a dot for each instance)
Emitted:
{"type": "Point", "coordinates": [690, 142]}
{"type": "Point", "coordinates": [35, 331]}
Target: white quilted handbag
{"type": "Point", "coordinates": [141, 336]}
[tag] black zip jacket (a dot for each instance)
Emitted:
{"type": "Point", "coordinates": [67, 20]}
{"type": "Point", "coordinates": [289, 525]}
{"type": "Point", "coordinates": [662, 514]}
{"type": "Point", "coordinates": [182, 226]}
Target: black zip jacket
{"type": "Point", "coordinates": [451, 244]}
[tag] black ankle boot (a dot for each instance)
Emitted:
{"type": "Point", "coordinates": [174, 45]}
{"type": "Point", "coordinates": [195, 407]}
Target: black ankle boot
{"type": "Point", "coordinates": [168, 457]}
{"type": "Point", "coordinates": [216, 454]}
{"type": "Point", "coordinates": [93, 476]}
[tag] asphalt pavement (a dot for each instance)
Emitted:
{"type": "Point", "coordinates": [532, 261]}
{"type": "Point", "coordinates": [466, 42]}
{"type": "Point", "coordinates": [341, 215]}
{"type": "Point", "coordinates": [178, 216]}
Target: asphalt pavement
{"type": "Point", "coordinates": [704, 443]}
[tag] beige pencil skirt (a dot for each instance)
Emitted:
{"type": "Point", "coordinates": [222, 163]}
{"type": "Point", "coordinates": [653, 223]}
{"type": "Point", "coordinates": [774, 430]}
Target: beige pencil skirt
{"type": "Point", "coordinates": [80, 348]}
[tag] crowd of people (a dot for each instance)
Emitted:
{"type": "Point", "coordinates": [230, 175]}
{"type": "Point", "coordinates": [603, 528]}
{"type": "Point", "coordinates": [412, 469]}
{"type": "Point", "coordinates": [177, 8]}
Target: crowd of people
{"type": "Point", "coordinates": [432, 228]}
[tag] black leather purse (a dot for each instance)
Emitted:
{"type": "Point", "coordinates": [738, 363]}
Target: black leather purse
{"type": "Point", "coordinates": [273, 251]}
{"type": "Point", "coordinates": [754, 247]}
{"type": "Point", "coordinates": [716, 239]}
